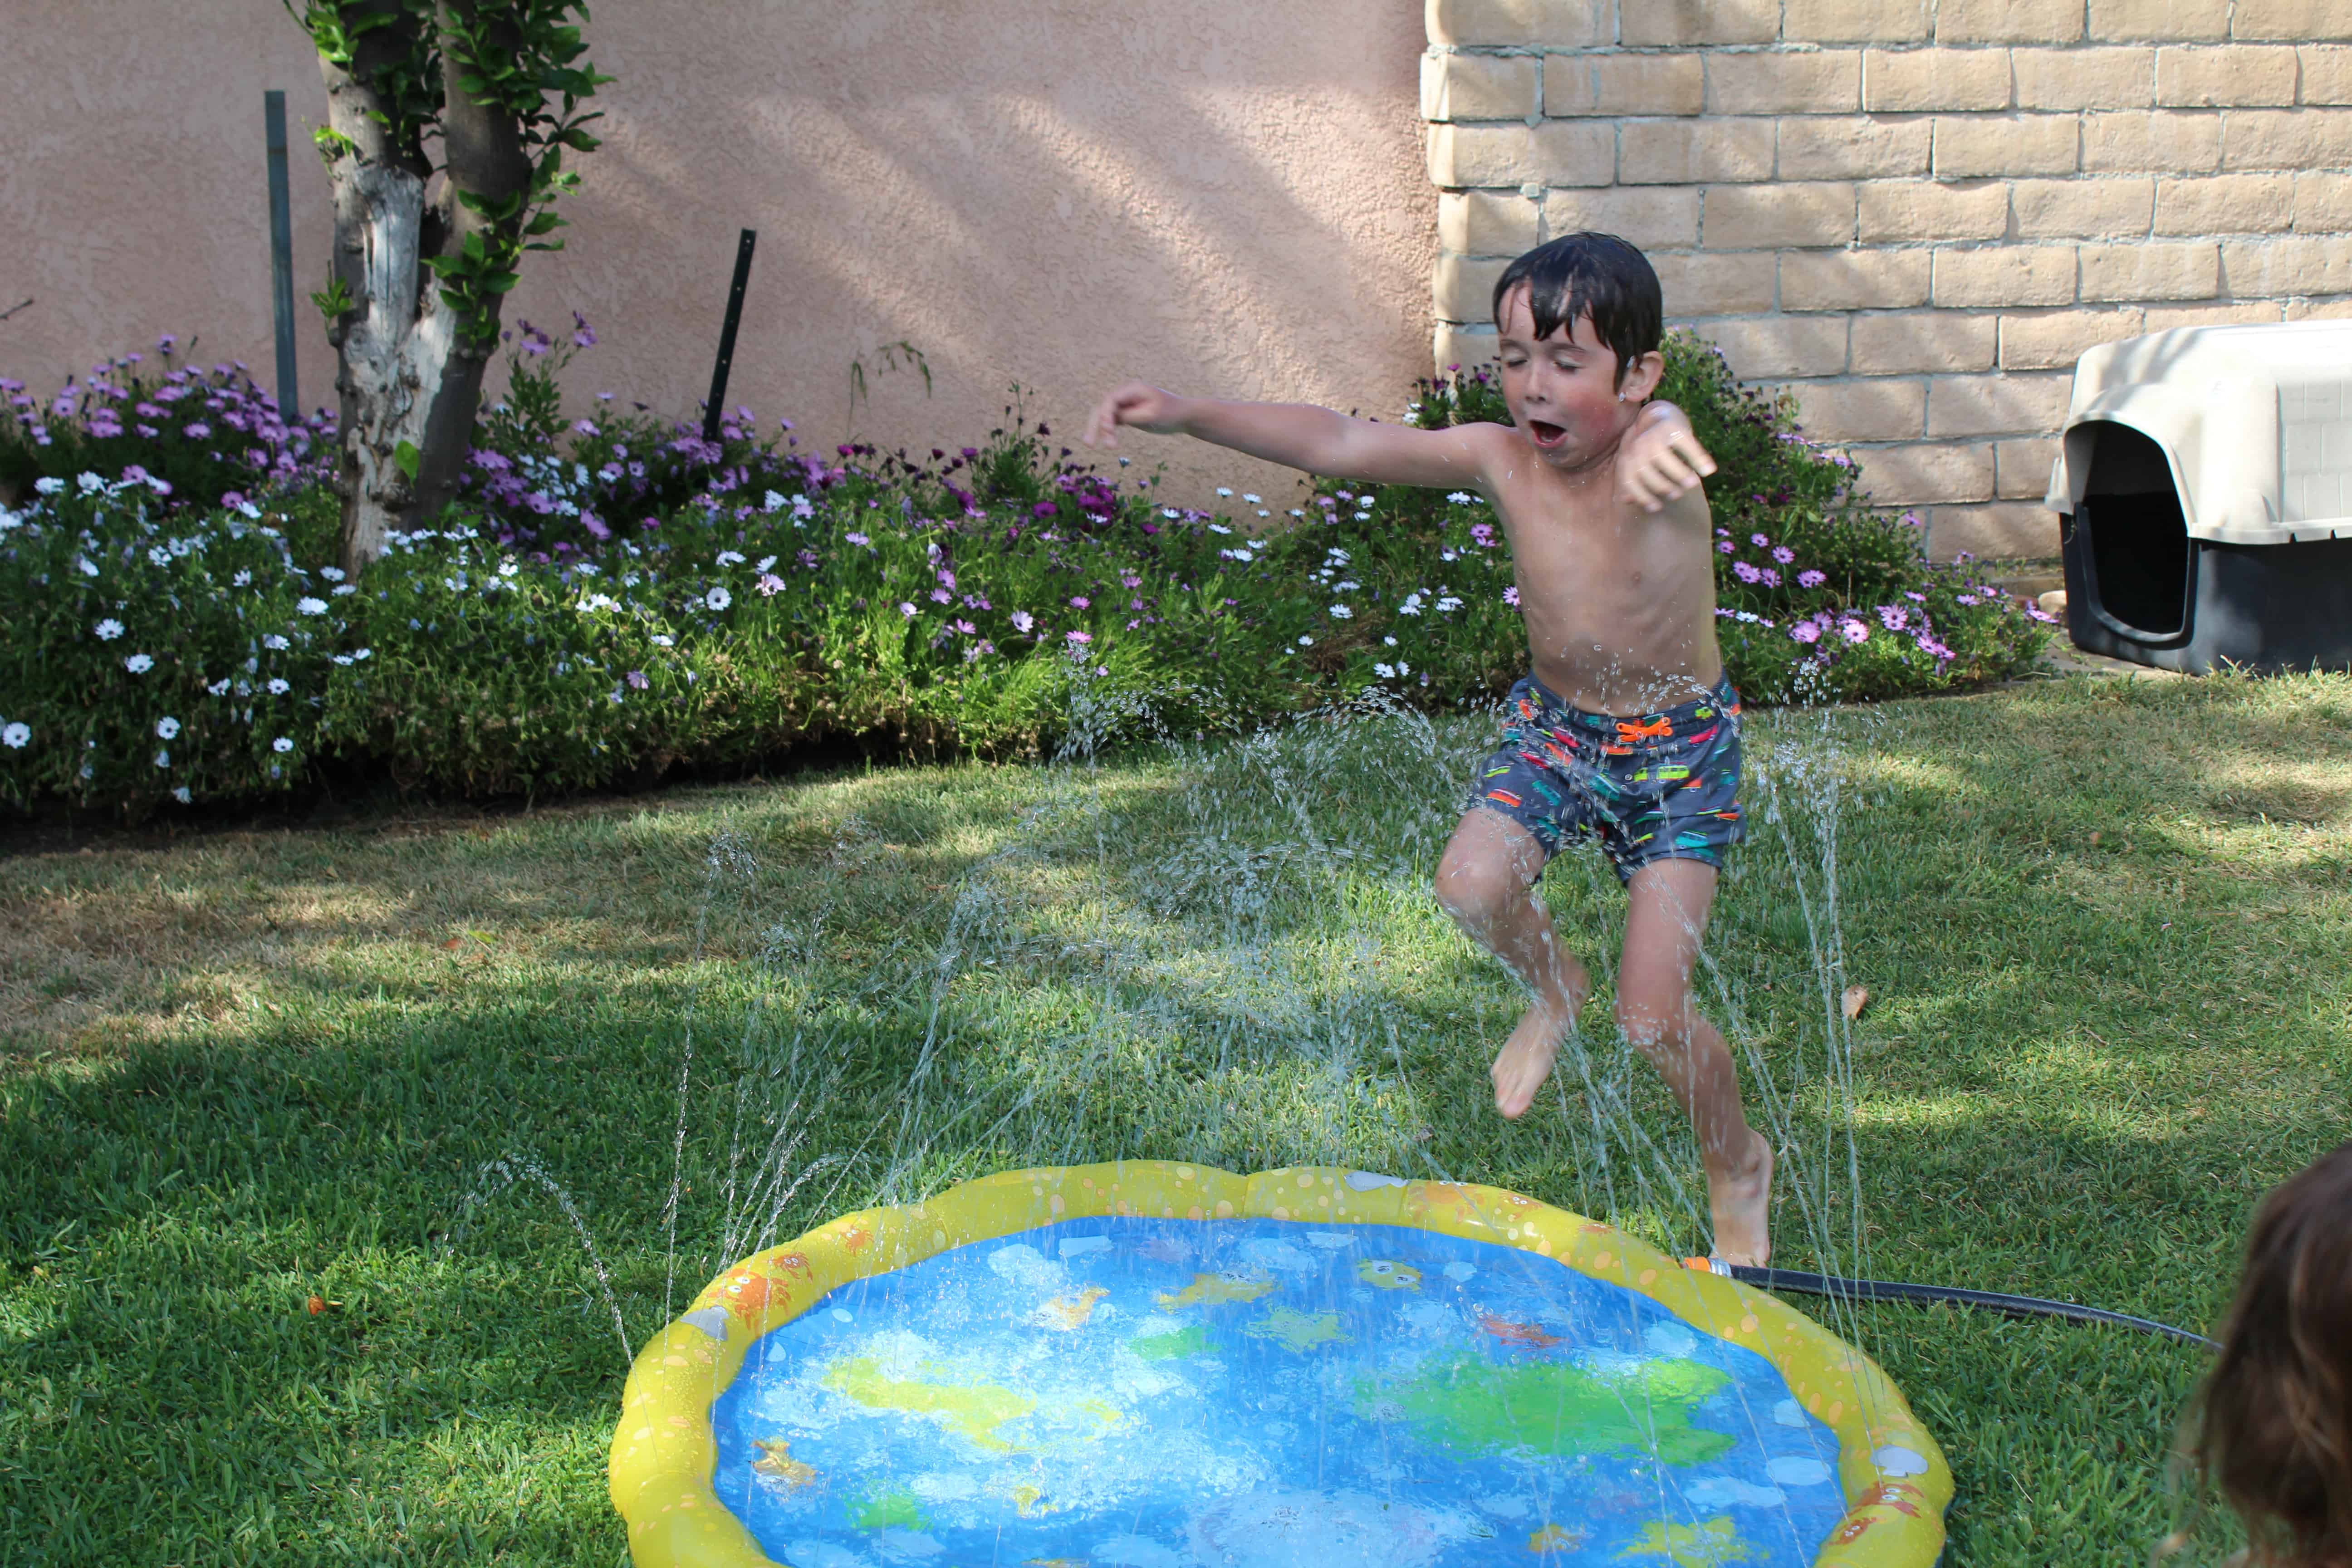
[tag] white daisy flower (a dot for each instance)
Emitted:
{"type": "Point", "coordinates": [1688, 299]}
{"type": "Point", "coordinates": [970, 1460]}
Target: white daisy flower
{"type": "Point", "coordinates": [108, 629]}
{"type": "Point", "coordinates": [720, 598]}
{"type": "Point", "coordinates": [281, 745]}
{"type": "Point", "coordinates": [16, 737]}
{"type": "Point", "coordinates": [167, 729]}
{"type": "Point", "coordinates": [138, 664]}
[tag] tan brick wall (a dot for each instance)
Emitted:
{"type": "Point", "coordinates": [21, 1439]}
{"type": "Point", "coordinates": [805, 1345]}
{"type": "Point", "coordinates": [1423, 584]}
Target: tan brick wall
{"type": "Point", "coordinates": [1916, 214]}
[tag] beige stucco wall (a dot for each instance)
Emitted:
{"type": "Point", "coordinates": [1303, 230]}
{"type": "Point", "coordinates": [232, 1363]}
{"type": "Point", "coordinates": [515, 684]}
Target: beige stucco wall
{"type": "Point", "coordinates": [1915, 212]}
{"type": "Point", "coordinates": [1058, 193]}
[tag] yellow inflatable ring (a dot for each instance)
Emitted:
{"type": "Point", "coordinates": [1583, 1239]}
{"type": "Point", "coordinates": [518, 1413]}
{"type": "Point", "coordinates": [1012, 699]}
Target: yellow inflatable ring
{"type": "Point", "coordinates": [1890, 1476]}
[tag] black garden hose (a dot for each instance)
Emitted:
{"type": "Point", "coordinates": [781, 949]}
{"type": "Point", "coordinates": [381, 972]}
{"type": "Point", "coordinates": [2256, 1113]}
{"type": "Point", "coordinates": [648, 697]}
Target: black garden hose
{"type": "Point", "coordinates": [1987, 1301]}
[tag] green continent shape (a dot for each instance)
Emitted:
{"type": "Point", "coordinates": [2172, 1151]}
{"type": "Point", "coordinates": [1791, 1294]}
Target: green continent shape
{"type": "Point", "coordinates": [1295, 1330]}
{"type": "Point", "coordinates": [1552, 1407]}
{"type": "Point", "coordinates": [1189, 1341]}
{"type": "Point", "coordinates": [893, 1509]}
{"type": "Point", "coordinates": [1708, 1545]}
{"type": "Point", "coordinates": [973, 1410]}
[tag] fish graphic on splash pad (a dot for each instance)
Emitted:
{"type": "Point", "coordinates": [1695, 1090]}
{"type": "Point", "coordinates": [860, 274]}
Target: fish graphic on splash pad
{"type": "Point", "coordinates": [1069, 1314]}
{"type": "Point", "coordinates": [1382, 1274]}
{"type": "Point", "coordinates": [1298, 1331]}
{"type": "Point", "coordinates": [1518, 1336]}
{"type": "Point", "coordinates": [1554, 1538]}
{"type": "Point", "coordinates": [1214, 1290]}
{"type": "Point", "coordinates": [1710, 1544]}
{"type": "Point", "coordinates": [776, 1464]}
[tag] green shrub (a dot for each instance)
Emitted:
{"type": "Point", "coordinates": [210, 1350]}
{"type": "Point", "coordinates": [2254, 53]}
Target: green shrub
{"type": "Point", "coordinates": [153, 657]}
{"type": "Point", "coordinates": [196, 439]}
{"type": "Point", "coordinates": [741, 596]}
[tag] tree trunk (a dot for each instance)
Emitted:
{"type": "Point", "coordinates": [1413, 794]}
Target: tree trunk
{"type": "Point", "coordinates": [409, 382]}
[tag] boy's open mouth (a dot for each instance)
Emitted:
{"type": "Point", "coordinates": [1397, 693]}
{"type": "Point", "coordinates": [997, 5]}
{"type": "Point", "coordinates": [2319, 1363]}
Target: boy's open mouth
{"type": "Point", "coordinates": [1545, 434]}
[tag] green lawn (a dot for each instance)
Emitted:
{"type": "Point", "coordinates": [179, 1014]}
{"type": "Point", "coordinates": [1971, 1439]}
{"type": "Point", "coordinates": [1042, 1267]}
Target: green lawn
{"type": "Point", "coordinates": [2102, 921]}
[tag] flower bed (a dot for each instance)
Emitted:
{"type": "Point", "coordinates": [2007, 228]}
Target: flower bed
{"type": "Point", "coordinates": [618, 595]}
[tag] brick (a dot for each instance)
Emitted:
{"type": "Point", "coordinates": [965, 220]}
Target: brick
{"type": "Point", "coordinates": [2151, 270]}
{"type": "Point", "coordinates": [2154, 142]}
{"type": "Point", "coordinates": [1463, 287]}
{"type": "Point", "coordinates": [1996, 405]}
{"type": "Point", "coordinates": [2294, 21]}
{"type": "Point", "coordinates": [1764, 348]}
{"type": "Point", "coordinates": [1814, 81]}
{"type": "Point", "coordinates": [1477, 87]}
{"type": "Point", "coordinates": [1713, 285]}
{"type": "Point", "coordinates": [2055, 341]}
{"type": "Point", "coordinates": [2286, 137]}
{"type": "Point", "coordinates": [2322, 203]}
{"type": "Point", "coordinates": [1925, 209]}
{"type": "Point", "coordinates": [1997, 531]}
{"type": "Point", "coordinates": [1976, 146]}
{"type": "Point", "coordinates": [2007, 22]}
{"type": "Point", "coordinates": [1754, 217]}
{"type": "Point", "coordinates": [1685, 152]}
{"type": "Point", "coordinates": [1467, 347]}
{"type": "Point", "coordinates": [1649, 216]}
{"type": "Point", "coordinates": [2085, 78]}
{"type": "Point", "coordinates": [2318, 311]}
{"type": "Point", "coordinates": [1878, 408]}
{"type": "Point", "coordinates": [2229, 75]}
{"type": "Point", "coordinates": [1855, 21]}
{"type": "Point", "coordinates": [1679, 24]}
{"type": "Point", "coordinates": [1924, 473]}
{"type": "Point", "coordinates": [1922, 340]}
{"type": "Point", "coordinates": [1909, 81]}
{"type": "Point", "coordinates": [2009, 275]}
{"type": "Point", "coordinates": [1852, 147]}
{"type": "Point", "coordinates": [1547, 22]}
{"type": "Point", "coordinates": [2326, 73]}
{"type": "Point", "coordinates": [1486, 223]}
{"type": "Point", "coordinates": [2225, 204]}
{"type": "Point", "coordinates": [1556, 153]}
{"type": "Point", "coordinates": [2020, 468]}
{"type": "Point", "coordinates": [1852, 279]}
{"type": "Point", "coordinates": [2287, 267]}
{"type": "Point", "coordinates": [2107, 208]}
{"type": "Point", "coordinates": [2156, 20]}
{"type": "Point", "coordinates": [2244, 312]}
{"type": "Point", "coordinates": [1623, 84]}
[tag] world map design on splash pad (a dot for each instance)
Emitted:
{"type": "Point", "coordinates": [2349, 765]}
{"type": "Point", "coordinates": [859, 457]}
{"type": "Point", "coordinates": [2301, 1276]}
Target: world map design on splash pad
{"type": "Point", "coordinates": [1262, 1393]}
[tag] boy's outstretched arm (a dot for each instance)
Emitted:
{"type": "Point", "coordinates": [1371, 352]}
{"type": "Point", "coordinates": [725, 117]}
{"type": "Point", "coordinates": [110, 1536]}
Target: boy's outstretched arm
{"type": "Point", "coordinates": [1303, 437]}
{"type": "Point", "coordinates": [1662, 458]}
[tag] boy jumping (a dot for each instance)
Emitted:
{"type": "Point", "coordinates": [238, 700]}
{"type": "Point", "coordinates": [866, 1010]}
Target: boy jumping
{"type": "Point", "coordinates": [1627, 730]}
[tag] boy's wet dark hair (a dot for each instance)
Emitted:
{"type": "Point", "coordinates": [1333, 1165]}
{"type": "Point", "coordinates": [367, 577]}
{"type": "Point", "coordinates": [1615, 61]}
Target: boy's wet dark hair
{"type": "Point", "coordinates": [2273, 1422]}
{"type": "Point", "coordinates": [1567, 277]}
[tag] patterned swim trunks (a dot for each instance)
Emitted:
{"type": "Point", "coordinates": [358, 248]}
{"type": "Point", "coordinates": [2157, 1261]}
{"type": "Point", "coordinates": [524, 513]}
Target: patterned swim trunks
{"type": "Point", "coordinates": [1659, 787]}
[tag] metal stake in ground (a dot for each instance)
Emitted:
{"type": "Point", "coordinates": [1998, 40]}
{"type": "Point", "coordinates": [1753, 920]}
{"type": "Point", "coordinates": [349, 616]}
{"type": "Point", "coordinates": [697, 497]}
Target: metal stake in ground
{"type": "Point", "coordinates": [281, 254]}
{"type": "Point", "coordinates": [727, 334]}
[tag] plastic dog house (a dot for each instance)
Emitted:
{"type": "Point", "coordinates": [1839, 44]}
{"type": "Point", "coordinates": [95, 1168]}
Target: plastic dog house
{"type": "Point", "coordinates": [2205, 492]}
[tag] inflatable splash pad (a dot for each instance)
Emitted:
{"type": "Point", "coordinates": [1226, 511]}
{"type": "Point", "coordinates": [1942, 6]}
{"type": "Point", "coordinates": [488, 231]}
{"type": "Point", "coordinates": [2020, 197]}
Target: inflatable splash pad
{"type": "Point", "coordinates": [1156, 1365]}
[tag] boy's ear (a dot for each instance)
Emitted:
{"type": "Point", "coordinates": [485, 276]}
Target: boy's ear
{"type": "Point", "coordinates": [1643, 377]}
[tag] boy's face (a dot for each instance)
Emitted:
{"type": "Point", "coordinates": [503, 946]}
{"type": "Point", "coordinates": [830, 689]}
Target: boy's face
{"type": "Point", "coordinates": [1563, 390]}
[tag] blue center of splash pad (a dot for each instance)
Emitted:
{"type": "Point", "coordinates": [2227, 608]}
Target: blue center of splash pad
{"type": "Point", "coordinates": [1262, 1393]}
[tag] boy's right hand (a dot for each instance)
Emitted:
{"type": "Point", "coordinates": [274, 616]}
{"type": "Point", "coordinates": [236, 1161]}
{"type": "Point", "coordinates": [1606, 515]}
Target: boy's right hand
{"type": "Point", "coordinates": [1143, 406]}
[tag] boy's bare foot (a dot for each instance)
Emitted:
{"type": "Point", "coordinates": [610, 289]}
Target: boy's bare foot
{"type": "Point", "coordinates": [1741, 1202]}
{"type": "Point", "coordinates": [1525, 1058]}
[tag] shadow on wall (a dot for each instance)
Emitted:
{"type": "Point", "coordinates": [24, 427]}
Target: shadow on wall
{"type": "Point", "coordinates": [1057, 197]}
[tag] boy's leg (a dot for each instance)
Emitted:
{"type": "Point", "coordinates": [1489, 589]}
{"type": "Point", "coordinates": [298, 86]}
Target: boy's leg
{"type": "Point", "coordinates": [1486, 883]}
{"type": "Point", "coordinates": [1664, 926]}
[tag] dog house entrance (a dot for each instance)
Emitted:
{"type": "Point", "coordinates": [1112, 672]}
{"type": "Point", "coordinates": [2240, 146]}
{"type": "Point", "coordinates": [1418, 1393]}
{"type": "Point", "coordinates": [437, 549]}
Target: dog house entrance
{"type": "Point", "coordinates": [2142, 563]}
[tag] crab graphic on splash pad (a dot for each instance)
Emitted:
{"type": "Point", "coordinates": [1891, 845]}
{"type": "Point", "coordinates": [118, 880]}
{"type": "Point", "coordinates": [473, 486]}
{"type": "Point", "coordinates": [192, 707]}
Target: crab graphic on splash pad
{"type": "Point", "coordinates": [1156, 1365]}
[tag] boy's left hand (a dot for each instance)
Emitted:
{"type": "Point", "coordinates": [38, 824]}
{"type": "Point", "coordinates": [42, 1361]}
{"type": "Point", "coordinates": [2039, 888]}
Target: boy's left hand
{"type": "Point", "coordinates": [1661, 459]}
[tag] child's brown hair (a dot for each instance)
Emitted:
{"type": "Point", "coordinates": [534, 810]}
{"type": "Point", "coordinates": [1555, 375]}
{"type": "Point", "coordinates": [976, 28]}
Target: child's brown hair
{"type": "Point", "coordinates": [2273, 1422]}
